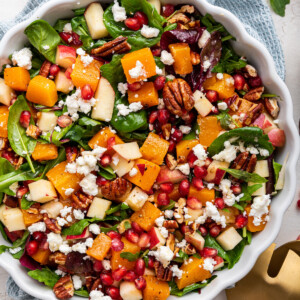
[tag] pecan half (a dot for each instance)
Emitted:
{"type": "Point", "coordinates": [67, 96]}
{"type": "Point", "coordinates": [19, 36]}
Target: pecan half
{"type": "Point", "coordinates": [81, 200]}
{"type": "Point", "coordinates": [253, 113]}
{"type": "Point", "coordinates": [164, 274]}
{"type": "Point", "coordinates": [254, 94]}
{"type": "Point", "coordinates": [179, 18]}
{"type": "Point", "coordinates": [45, 68]}
{"type": "Point", "coordinates": [116, 189]}
{"type": "Point", "coordinates": [190, 9]}
{"type": "Point", "coordinates": [171, 241]}
{"type": "Point", "coordinates": [171, 162]}
{"type": "Point", "coordinates": [194, 24]}
{"type": "Point", "coordinates": [178, 211]}
{"type": "Point", "coordinates": [96, 285]}
{"type": "Point", "coordinates": [272, 107]}
{"type": "Point", "coordinates": [170, 224]}
{"type": "Point", "coordinates": [166, 131]}
{"type": "Point", "coordinates": [71, 153]}
{"type": "Point", "coordinates": [177, 96]}
{"type": "Point", "coordinates": [117, 46]}
{"type": "Point", "coordinates": [33, 131]}
{"type": "Point", "coordinates": [64, 289]}
{"type": "Point", "coordinates": [51, 224]}
{"type": "Point", "coordinates": [195, 58]}
{"type": "Point", "coordinates": [250, 71]}
{"type": "Point", "coordinates": [189, 249]}
{"type": "Point", "coordinates": [245, 162]}
{"type": "Point", "coordinates": [89, 280]}
{"type": "Point", "coordinates": [58, 258]}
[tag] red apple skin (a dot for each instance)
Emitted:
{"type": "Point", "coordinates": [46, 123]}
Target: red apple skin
{"type": "Point", "coordinates": [219, 176]}
{"type": "Point", "coordinates": [85, 234]}
{"type": "Point", "coordinates": [277, 137]}
{"type": "Point", "coordinates": [259, 122]}
{"type": "Point", "coordinates": [65, 56]}
{"type": "Point", "coordinates": [219, 262]}
{"type": "Point", "coordinates": [166, 175]}
{"type": "Point", "coordinates": [155, 237]}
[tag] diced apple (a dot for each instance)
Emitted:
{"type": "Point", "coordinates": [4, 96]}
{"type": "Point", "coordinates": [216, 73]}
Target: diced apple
{"type": "Point", "coordinates": [214, 172]}
{"type": "Point", "coordinates": [194, 213]}
{"type": "Point", "coordinates": [105, 100]}
{"type": "Point", "coordinates": [259, 192]}
{"type": "Point", "coordinates": [42, 191]}
{"type": "Point", "coordinates": [219, 262]}
{"type": "Point", "coordinates": [98, 208]}
{"type": "Point", "coordinates": [52, 208]}
{"type": "Point", "coordinates": [6, 93]}
{"type": "Point", "coordinates": [47, 120]}
{"type": "Point", "coordinates": [229, 238]}
{"type": "Point", "coordinates": [281, 177]}
{"type": "Point", "coordinates": [94, 19]}
{"type": "Point", "coordinates": [156, 4]}
{"type": "Point", "coordinates": [156, 239]}
{"type": "Point", "coordinates": [202, 104]}
{"type": "Point", "coordinates": [167, 175]}
{"type": "Point", "coordinates": [195, 239]}
{"type": "Point", "coordinates": [121, 165]}
{"type": "Point", "coordinates": [136, 199]}
{"type": "Point", "coordinates": [13, 219]}
{"type": "Point", "coordinates": [277, 137]}
{"type": "Point", "coordinates": [265, 122]}
{"type": "Point", "coordinates": [3, 207]}
{"type": "Point", "coordinates": [63, 84]}
{"type": "Point", "coordinates": [128, 291]}
{"type": "Point", "coordinates": [128, 151]}
{"type": "Point", "coordinates": [65, 56]}
{"type": "Point", "coordinates": [85, 234]}
{"type": "Point", "coordinates": [262, 168]}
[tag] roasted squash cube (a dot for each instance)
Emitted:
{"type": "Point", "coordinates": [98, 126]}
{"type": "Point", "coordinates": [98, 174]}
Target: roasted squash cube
{"type": "Point", "coordinates": [205, 195]}
{"type": "Point", "coordinates": [147, 95]}
{"type": "Point", "coordinates": [210, 129]}
{"type": "Point", "coordinates": [44, 152]}
{"type": "Point", "coordinates": [250, 225]}
{"type": "Point", "coordinates": [4, 112]}
{"type": "Point", "coordinates": [100, 248]}
{"type": "Point", "coordinates": [100, 139]}
{"type": "Point", "coordinates": [30, 218]}
{"type": "Point", "coordinates": [17, 78]}
{"type": "Point", "coordinates": [183, 148]}
{"type": "Point", "coordinates": [155, 289]}
{"type": "Point", "coordinates": [42, 256]}
{"type": "Point", "coordinates": [181, 53]}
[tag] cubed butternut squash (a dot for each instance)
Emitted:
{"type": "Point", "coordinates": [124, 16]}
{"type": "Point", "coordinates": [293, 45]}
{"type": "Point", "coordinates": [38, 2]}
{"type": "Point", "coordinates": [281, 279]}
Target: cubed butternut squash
{"type": "Point", "coordinates": [154, 148]}
{"type": "Point", "coordinates": [183, 148]}
{"type": "Point", "coordinates": [139, 65]}
{"type": "Point", "coordinates": [42, 90]}
{"type": "Point", "coordinates": [89, 74]}
{"type": "Point", "coordinates": [146, 216]}
{"type": "Point", "coordinates": [4, 112]}
{"type": "Point", "coordinates": [31, 218]}
{"type": "Point", "coordinates": [117, 260]}
{"type": "Point", "coordinates": [17, 78]}
{"type": "Point", "coordinates": [210, 128]}
{"type": "Point", "coordinates": [100, 248]}
{"type": "Point", "coordinates": [193, 272]}
{"type": "Point", "coordinates": [44, 152]}
{"type": "Point", "coordinates": [250, 225]}
{"type": "Point", "coordinates": [146, 180]}
{"type": "Point", "coordinates": [181, 53]}
{"type": "Point", "coordinates": [147, 95]}
{"type": "Point", "coordinates": [100, 139]}
{"type": "Point", "coordinates": [42, 256]}
{"type": "Point", "coordinates": [224, 87]}
{"type": "Point", "coordinates": [63, 180]}
{"type": "Point", "coordinates": [205, 195]}
{"type": "Point", "coordinates": [155, 289]}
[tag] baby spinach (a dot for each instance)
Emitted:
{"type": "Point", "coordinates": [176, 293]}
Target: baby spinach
{"type": "Point", "coordinates": [78, 227]}
{"type": "Point", "coordinates": [181, 257]}
{"type": "Point", "coordinates": [107, 172]}
{"type": "Point", "coordinates": [225, 119]}
{"type": "Point", "coordinates": [22, 144]}
{"type": "Point", "coordinates": [130, 256]}
{"type": "Point", "coordinates": [248, 190]}
{"type": "Point", "coordinates": [279, 6]}
{"type": "Point", "coordinates": [121, 206]}
{"type": "Point", "coordinates": [79, 11]}
{"type": "Point", "coordinates": [44, 38]}
{"type": "Point", "coordinates": [25, 204]}
{"type": "Point", "coordinates": [194, 132]}
{"type": "Point", "coordinates": [277, 167]}
{"type": "Point", "coordinates": [60, 24]}
{"type": "Point", "coordinates": [112, 228]}
{"type": "Point", "coordinates": [245, 176]}
{"type": "Point", "coordinates": [4, 233]}
{"type": "Point", "coordinates": [19, 243]}
{"type": "Point", "coordinates": [55, 136]}
{"type": "Point", "coordinates": [45, 275]}
{"type": "Point", "coordinates": [82, 293]}
{"type": "Point", "coordinates": [136, 136]}
{"type": "Point", "coordinates": [85, 121]}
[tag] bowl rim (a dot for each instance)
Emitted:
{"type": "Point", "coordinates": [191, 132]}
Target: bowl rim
{"type": "Point", "coordinates": [244, 38]}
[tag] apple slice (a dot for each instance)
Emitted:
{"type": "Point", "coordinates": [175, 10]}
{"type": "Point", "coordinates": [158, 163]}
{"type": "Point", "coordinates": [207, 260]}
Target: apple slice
{"type": "Point", "coordinates": [98, 208]}
{"type": "Point", "coordinates": [219, 262]}
{"type": "Point", "coordinates": [85, 234]}
{"type": "Point", "coordinates": [167, 175]}
{"type": "Point", "coordinates": [214, 173]}
{"type": "Point", "coordinates": [195, 239]}
{"type": "Point", "coordinates": [63, 84]}
{"type": "Point", "coordinates": [6, 93]}
{"type": "Point", "coordinates": [277, 137]}
{"type": "Point", "coordinates": [281, 177]}
{"type": "Point", "coordinates": [262, 168]}
{"type": "Point", "coordinates": [94, 19]}
{"type": "Point", "coordinates": [122, 166]}
{"type": "Point", "coordinates": [202, 104]}
{"type": "Point", "coordinates": [47, 120]}
{"type": "Point", "coordinates": [13, 219]}
{"type": "Point", "coordinates": [128, 291]}
{"type": "Point", "coordinates": [53, 208]}
{"type": "Point", "coordinates": [42, 191]}
{"type": "Point", "coordinates": [156, 4]}
{"type": "Point", "coordinates": [229, 238]}
{"type": "Point", "coordinates": [136, 199]}
{"type": "Point", "coordinates": [259, 192]}
{"type": "Point", "coordinates": [128, 151]}
{"type": "Point", "coordinates": [65, 56]}
{"type": "Point", "coordinates": [194, 213]}
{"type": "Point", "coordinates": [156, 239]}
{"type": "Point", "coordinates": [105, 100]}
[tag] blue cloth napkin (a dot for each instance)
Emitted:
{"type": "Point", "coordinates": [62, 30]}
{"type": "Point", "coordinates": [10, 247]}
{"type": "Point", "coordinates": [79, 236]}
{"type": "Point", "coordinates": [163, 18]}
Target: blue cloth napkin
{"type": "Point", "coordinates": [254, 14]}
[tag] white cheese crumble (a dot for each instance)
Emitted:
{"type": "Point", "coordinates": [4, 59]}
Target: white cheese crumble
{"type": "Point", "coordinates": [164, 254]}
{"type": "Point", "coordinates": [210, 186]}
{"type": "Point", "coordinates": [89, 185]}
{"type": "Point", "coordinates": [98, 295]}
{"type": "Point", "coordinates": [228, 154]}
{"type": "Point", "coordinates": [77, 282]}
{"type": "Point", "coordinates": [210, 211]}
{"type": "Point", "coordinates": [59, 272]}
{"type": "Point", "coordinates": [167, 58]}
{"type": "Point", "coordinates": [119, 12]}
{"type": "Point", "coordinates": [94, 228]}
{"type": "Point", "coordinates": [124, 110]}
{"type": "Point", "coordinates": [228, 196]}
{"type": "Point", "coordinates": [161, 103]}
{"type": "Point", "coordinates": [69, 191]}
{"type": "Point", "coordinates": [184, 168]}
{"type": "Point", "coordinates": [209, 264]}
{"type": "Point", "coordinates": [182, 244]}
{"type": "Point", "coordinates": [185, 129]}
{"type": "Point", "coordinates": [149, 32]}
{"type": "Point", "coordinates": [160, 221]}
{"type": "Point", "coordinates": [85, 58]}
{"type": "Point", "coordinates": [158, 70]}
{"type": "Point", "coordinates": [222, 106]}
{"type": "Point", "coordinates": [122, 88]}
{"type": "Point", "coordinates": [39, 226]}
{"type": "Point", "coordinates": [206, 65]}
{"type": "Point", "coordinates": [259, 207]}
{"type": "Point", "coordinates": [138, 70]}
{"type": "Point", "coordinates": [220, 76]}
{"type": "Point", "coordinates": [22, 58]}
{"type": "Point", "coordinates": [203, 39]}
{"type": "Point", "coordinates": [200, 152]}
{"type": "Point", "coordinates": [78, 214]}
{"type": "Point", "coordinates": [55, 241]}
{"type": "Point", "coordinates": [133, 172]}
{"type": "Point", "coordinates": [67, 28]}
{"type": "Point", "coordinates": [66, 210]}
{"type": "Point", "coordinates": [176, 271]}
{"type": "Point", "coordinates": [169, 214]}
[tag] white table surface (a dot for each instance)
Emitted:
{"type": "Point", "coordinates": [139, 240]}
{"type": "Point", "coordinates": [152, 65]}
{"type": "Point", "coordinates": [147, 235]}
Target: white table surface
{"type": "Point", "coordinates": [288, 31]}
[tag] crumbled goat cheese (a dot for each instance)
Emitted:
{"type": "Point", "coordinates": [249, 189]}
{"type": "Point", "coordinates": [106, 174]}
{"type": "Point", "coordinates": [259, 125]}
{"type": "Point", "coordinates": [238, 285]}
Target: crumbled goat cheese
{"type": "Point", "coordinates": [137, 71]}
{"type": "Point", "coordinates": [161, 103]}
{"type": "Point", "coordinates": [182, 244]}
{"type": "Point", "coordinates": [220, 76]}
{"type": "Point", "coordinates": [57, 129]}
{"type": "Point", "coordinates": [98, 295]}
{"type": "Point", "coordinates": [79, 247]}
{"type": "Point", "coordinates": [69, 191]}
{"type": "Point", "coordinates": [119, 12]}
{"type": "Point", "coordinates": [209, 264]}
{"type": "Point", "coordinates": [106, 264]}
{"type": "Point", "coordinates": [124, 110]}
{"type": "Point", "coordinates": [85, 58]}
{"type": "Point", "coordinates": [206, 65]}
{"type": "Point", "coordinates": [158, 70]}
{"type": "Point", "coordinates": [210, 186]}
{"type": "Point", "coordinates": [69, 218]}
{"type": "Point", "coordinates": [203, 39]}
{"type": "Point", "coordinates": [184, 168]}
{"type": "Point", "coordinates": [222, 106]}
{"type": "Point", "coordinates": [77, 282]}
{"type": "Point", "coordinates": [39, 226]}
{"type": "Point", "coordinates": [259, 207]}
{"type": "Point", "coordinates": [263, 152]}
{"type": "Point", "coordinates": [68, 28]}
{"type": "Point", "coordinates": [61, 221]}
{"type": "Point", "coordinates": [171, 77]}
{"type": "Point", "coordinates": [65, 248]}
{"type": "Point", "coordinates": [22, 58]}
{"type": "Point", "coordinates": [60, 273]}
{"type": "Point", "coordinates": [66, 210]}
{"type": "Point", "coordinates": [169, 214]}
{"type": "Point", "coordinates": [167, 58]}
{"type": "Point", "coordinates": [122, 88]}
{"type": "Point", "coordinates": [228, 154]}
{"type": "Point", "coordinates": [133, 172]}
{"type": "Point", "coordinates": [55, 241]}
{"type": "Point", "coordinates": [160, 221]}
{"type": "Point", "coordinates": [200, 152]}
{"type": "Point", "coordinates": [176, 271]}
{"type": "Point", "coordinates": [94, 228]}
{"type": "Point", "coordinates": [78, 214]}
{"type": "Point", "coordinates": [228, 196]}
{"type": "Point", "coordinates": [164, 254]}
{"type": "Point", "coordinates": [89, 185]}
{"type": "Point", "coordinates": [15, 250]}
{"type": "Point", "coordinates": [212, 212]}
{"type": "Point", "coordinates": [164, 232]}
{"type": "Point", "coordinates": [149, 32]}
{"type": "Point", "coordinates": [185, 129]}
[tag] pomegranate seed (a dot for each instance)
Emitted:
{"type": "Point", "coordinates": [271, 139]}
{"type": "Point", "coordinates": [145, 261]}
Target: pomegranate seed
{"type": "Point", "coordinates": [111, 142]}
{"type": "Point", "coordinates": [189, 117]}
{"type": "Point", "coordinates": [114, 235]}
{"type": "Point", "coordinates": [185, 229]}
{"type": "Point", "coordinates": [212, 96]}
{"type": "Point", "coordinates": [184, 188]}
{"type": "Point", "coordinates": [44, 245]}
{"type": "Point", "coordinates": [97, 266]}
{"type": "Point", "coordinates": [101, 181]}
{"type": "Point", "coordinates": [239, 81]}
{"type": "Point", "coordinates": [208, 161]}
{"type": "Point", "coordinates": [255, 82]}
{"type": "Point", "coordinates": [172, 145]}
{"type": "Point", "coordinates": [151, 262]}
{"type": "Point", "coordinates": [38, 236]}
{"type": "Point", "coordinates": [25, 118]}
{"type": "Point", "coordinates": [119, 273]}
{"type": "Point", "coordinates": [215, 231]}
{"type": "Point", "coordinates": [137, 228]}
{"type": "Point", "coordinates": [200, 172]}
{"type": "Point", "coordinates": [209, 252]}
{"type": "Point", "coordinates": [133, 87]}
{"type": "Point", "coordinates": [144, 240]}
{"type": "Point", "coordinates": [106, 279]}
{"type": "Point", "coordinates": [9, 155]}
{"type": "Point", "coordinates": [142, 168]}
{"type": "Point", "coordinates": [130, 276]}
{"type": "Point", "coordinates": [203, 231]}
{"type": "Point", "coordinates": [163, 116]}
{"type": "Point", "coordinates": [140, 283]}
{"type": "Point", "coordinates": [105, 160]}
{"type": "Point", "coordinates": [191, 159]}
{"type": "Point", "coordinates": [167, 187]}
{"type": "Point", "coordinates": [32, 247]}
{"type": "Point", "coordinates": [22, 190]}
{"type": "Point", "coordinates": [76, 39]}
{"type": "Point", "coordinates": [113, 292]}
{"type": "Point", "coordinates": [66, 37]}
{"type": "Point", "coordinates": [236, 189]}
{"type": "Point", "coordinates": [150, 192]}
{"type": "Point", "coordinates": [159, 82]}
{"type": "Point", "coordinates": [142, 18]}
{"type": "Point", "coordinates": [163, 199]}
{"type": "Point", "coordinates": [177, 135]}
{"type": "Point", "coordinates": [132, 236]}
{"type": "Point", "coordinates": [194, 203]}
{"type": "Point", "coordinates": [140, 267]}
{"type": "Point", "coordinates": [87, 92]}
{"type": "Point", "coordinates": [156, 51]}
{"type": "Point", "coordinates": [219, 203]}
{"type": "Point", "coordinates": [197, 183]}
{"type": "Point", "coordinates": [133, 24]}
{"type": "Point", "coordinates": [168, 10]}
{"type": "Point", "coordinates": [117, 245]}
{"type": "Point", "coordinates": [298, 203]}
{"type": "Point", "coordinates": [54, 70]}
{"type": "Point", "coordinates": [153, 116]}
{"type": "Point", "coordinates": [241, 221]}
{"type": "Point", "coordinates": [68, 72]}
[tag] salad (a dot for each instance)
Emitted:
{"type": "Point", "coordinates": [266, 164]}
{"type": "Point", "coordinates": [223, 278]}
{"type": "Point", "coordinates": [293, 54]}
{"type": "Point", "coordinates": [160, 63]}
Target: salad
{"type": "Point", "coordinates": [137, 152]}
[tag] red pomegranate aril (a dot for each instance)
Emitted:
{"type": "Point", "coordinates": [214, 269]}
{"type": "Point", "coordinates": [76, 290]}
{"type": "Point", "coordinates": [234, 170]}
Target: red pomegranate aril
{"type": "Point", "coordinates": [32, 247]}
{"type": "Point", "coordinates": [255, 82]}
{"type": "Point", "coordinates": [105, 160]}
{"type": "Point", "coordinates": [133, 24]}
{"type": "Point", "coordinates": [133, 87]}
{"type": "Point", "coordinates": [209, 252]}
{"type": "Point", "coordinates": [151, 262]}
{"type": "Point", "coordinates": [298, 204]}
{"type": "Point", "coordinates": [163, 116]}
{"type": "Point", "coordinates": [153, 116]}
{"type": "Point", "coordinates": [38, 236]}
{"type": "Point", "coordinates": [68, 72]}
{"type": "Point", "coordinates": [177, 135]}
{"type": "Point", "coordinates": [212, 96]}
{"type": "Point", "coordinates": [219, 203]}
{"type": "Point", "coordinates": [241, 221]}
{"type": "Point", "coordinates": [203, 231]}
{"type": "Point", "coordinates": [193, 203]}
{"type": "Point", "coordinates": [144, 240]}
{"type": "Point", "coordinates": [167, 187]}
{"type": "Point", "coordinates": [159, 82]}
{"type": "Point", "coordinates": [239, 81]}
{"type": "Point", "coordinates": [156, 51]}
{"type": "Point", "coordinates": [86, 92]}
{"type": "Point", "coordinates": [191, 159]}
{"type": "Point", "coordinates": [185, 229]}
{"type": "Point", "coordinates": [54, 70]}
{"type": "Point", "coordinates": [101, 181]}
{"type": "Point", "coordinates": [168, 10]}
{"type": "Point", "coordinates": [200, 172]}
{"type": "Point", "coordinates": [215, 231]}
{"type": "Point", "coordinates": [140, 267]}
{"type": "Point", "coordinates": [129, 276]}
{"type": "Point", "coordinates": [140, 283]}
{"type": "Point", "coordinates": [25, 118]}
{"type": "Point", "coordinates": [119, 273]}
{"type": "Point", "coordinates": [189, 117]}
{"type": "Point", "coordinates": [150, 192]}
{"type": "Point", "coordinates": [163, 199]}
{"type": "Point", "coordinates": [113, 292]}
{"type": "Point", "coordinates": [184, 188]}
{"type": "Point", "coordinates": [142, 18]}
{"type": "Point", "coordinates": [137, 228]}
{"type": "Point", "coordinates": [117, 245]}
{"type": "Point", "coordinates": [66, 37]}
{"type": "Point", "coordinates": [114, 235]}
{"type": "Point", "coordinates": [111, 142]}
{"type": "Point", "coordinates": [132, 236]}
{"type": "Point", "coordinates": [172, 146]}
{"type": "Point", "coordinates": [9, 155]}
{"type": "Point", "coordinates": [76, 39]}
{"type": "Point", "coordinates": [236, 189]}
{"type": "Point", "coordinates": [22, 190]}
{"type": "Point", "coordinates": [197, 183]}
{"type": "Point", "coordinates": [97, 266]}
{"type": "Point", "coordinates": [106, 279]}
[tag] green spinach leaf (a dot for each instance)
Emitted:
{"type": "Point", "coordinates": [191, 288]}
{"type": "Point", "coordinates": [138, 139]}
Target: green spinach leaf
{"type": "Point", "coordinates": [130, 256]}
{"type": "Point", "coordinates": [46, 276]}
{"type": "Point", "coordinates": [25, 204]}
{"type": "Point", "coordinates": [245, 176]}
{"type": "Point", "coordinates": [225, 119]}
{"type": "Point", "coordinates": [277, 167]}
{"type": "Point", "coordinates": [82, 293]}
{"type": "Point", "coordinates": [107, 172]}
{"type": "Point", "coordinates": [78, 227]}
{"type": "Point", "coordinates": [19, 243]}
{"type": "Point", "coordinates": [60, 24]}
{"type": "Point", "coordinates": [4, 235]}
{"type": "Point", "coordinates": [248, 190]}
{"type": "Point", "coordinates": [55, 136]}
{"type": "Point", "coordinates": [279, 6]}
{"type": "Point", "coordinates": [194, 132]}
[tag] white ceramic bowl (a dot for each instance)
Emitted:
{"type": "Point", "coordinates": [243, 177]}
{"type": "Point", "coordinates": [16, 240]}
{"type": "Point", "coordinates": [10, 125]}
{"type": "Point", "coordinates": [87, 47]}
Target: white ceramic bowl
{"type": "Point", "coordinates": [261, 59]}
